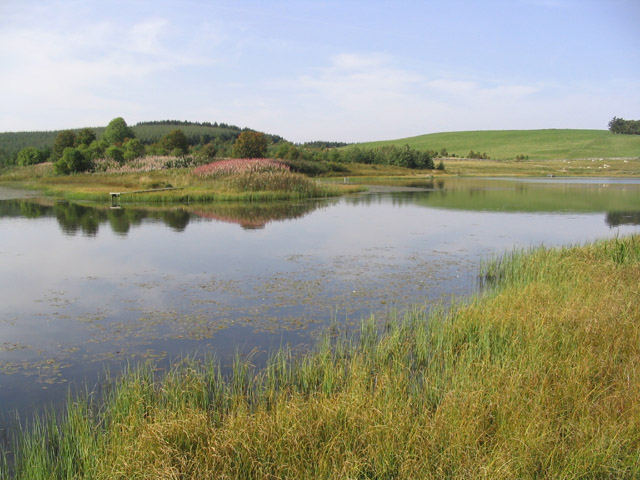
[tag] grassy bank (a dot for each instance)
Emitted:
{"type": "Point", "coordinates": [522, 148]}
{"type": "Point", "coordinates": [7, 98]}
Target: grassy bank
{"type": "Point", "coordinates": [538, 378]}
{"type": "Point", "coordinates": [548, 144]}
{"type": "Point", "coordinates": [187, 187]}
{"type": "Point", "coordinates": [173, 185]}
{"type": "Point", "coordinates": [509, 168]}
{"type": "Point", "coordinates": [541, 168]}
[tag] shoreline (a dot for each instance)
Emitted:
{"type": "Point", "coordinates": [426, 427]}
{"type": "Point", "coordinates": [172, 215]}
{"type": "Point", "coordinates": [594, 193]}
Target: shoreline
{"type": "Point", "coordinates": [515, 373]}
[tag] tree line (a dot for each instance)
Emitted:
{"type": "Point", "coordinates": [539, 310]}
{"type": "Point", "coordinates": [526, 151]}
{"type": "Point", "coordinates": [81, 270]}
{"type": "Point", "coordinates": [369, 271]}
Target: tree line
{"type": "Point", "coordinates": [148, 133]}
{"type": "Point", "coordinates": [74, 151]}
{"type": "Point", "coordinates": [628, 127]}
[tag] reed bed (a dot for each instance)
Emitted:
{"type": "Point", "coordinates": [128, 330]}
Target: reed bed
{"type": "Point", "coordinates": [146, 164]}
{"type": "Point", "coordinates": [257, 177]}
{"type": "Point", "coordinates": [235, 166]}
{"type": "Point", "coordinates": [249, 187]}
{"type": "Point", "coordinates": [539, 377]}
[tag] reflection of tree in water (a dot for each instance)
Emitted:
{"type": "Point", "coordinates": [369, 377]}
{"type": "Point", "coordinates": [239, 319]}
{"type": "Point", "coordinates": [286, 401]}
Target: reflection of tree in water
{"type": "Point", "coordinates": [25, 209]}
{"type": "Point", "coordinates": [75, 218]}
{"type": "Point", "coordinates": [122, 220]}
{"type": "Point", "coordinates": [253, 216]}
{"type": "Point", "coordinates": [614, 219]}
{"type": "Point", "coordinates": [398, 199]}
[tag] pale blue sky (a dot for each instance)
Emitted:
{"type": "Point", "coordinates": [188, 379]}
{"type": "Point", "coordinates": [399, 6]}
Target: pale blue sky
{"type": "Point", "coordinates": [311, 70]}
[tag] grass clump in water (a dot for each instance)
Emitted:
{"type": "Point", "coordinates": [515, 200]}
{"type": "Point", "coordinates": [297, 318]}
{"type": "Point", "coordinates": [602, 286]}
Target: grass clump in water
{"type": "Point", "coordinates": [538, 378]}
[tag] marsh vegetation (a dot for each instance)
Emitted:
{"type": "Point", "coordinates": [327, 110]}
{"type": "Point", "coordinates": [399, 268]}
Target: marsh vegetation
{"type": "Point", "coordinates": [535, 378]}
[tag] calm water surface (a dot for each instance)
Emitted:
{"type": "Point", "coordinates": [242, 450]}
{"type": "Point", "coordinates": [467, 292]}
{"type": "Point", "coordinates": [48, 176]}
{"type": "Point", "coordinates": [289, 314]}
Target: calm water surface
{"type": "Point", "coordinates": [86, 287]}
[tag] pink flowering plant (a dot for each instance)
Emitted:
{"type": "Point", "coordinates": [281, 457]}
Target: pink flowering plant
{"type": "Point", "coordinates": [257, 175]}
{"type": "Point", "coordinates": [236, 166]}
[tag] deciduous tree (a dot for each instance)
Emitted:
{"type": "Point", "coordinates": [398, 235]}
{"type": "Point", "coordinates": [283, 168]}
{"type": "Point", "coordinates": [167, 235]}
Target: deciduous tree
{"type": "Point", "coordinates": [115, 153]}
{"type": "Point", "coordinates": [65, 139]}
{"type": "Point", "coordinates": [29, 156]}
{"type": "Point", "coordinates": [175, 140]}
{"type": "Point", "coordinates": [117, 131]}
{"type": "Point", "coordinates": [133, 149]}
{"type": "Point", "coordinates": [250, 144]}
{"type": "Point", "coordinates": [72, 161]}
{"type": "Point", "coordinates": [85, 137]}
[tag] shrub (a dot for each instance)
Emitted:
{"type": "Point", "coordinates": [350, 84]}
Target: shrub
{"type": "Point", "coordinates": [133, 149]}
{"type": "Point", "coordinates": [478, 155]}
{"type": "Point", "coordinates": [314, 167]}
{"type": "Point", "coordinates": [175, 142]}
{"type": "Point", "coordinates": [29, 156]}
{"type": "Point", "coordinates": [115, 153]}
{"type": "Point", "coordinates": [208, 152]}
{"type": "Point", "coordinates": [72, 161]}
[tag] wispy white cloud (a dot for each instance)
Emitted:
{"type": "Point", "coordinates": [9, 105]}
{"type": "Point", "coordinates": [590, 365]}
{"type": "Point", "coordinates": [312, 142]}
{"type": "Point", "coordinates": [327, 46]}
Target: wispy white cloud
{"type": "Point", "coordinates": [366, 96]}
{"type": "Point", "coordinates": [472, 91]}
{"type": "Point", "coordinates": [67, 63]}
{"type": "Point", "coordinates": [83, 64]}
{"type": "Point", "coordinates": [92, 55]}
{"type": "Point", "coordinates": [360, 81]}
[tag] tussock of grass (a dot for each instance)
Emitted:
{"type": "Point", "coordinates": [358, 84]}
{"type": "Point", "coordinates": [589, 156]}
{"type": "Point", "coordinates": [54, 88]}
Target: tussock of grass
{"type": "Point", "coordinates": [538, 378]}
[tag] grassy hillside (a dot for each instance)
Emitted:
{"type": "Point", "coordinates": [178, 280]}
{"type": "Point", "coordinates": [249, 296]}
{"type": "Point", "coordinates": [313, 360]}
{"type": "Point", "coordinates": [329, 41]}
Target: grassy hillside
{"type": "Point", "coordinates": [147, 132]}
{"type": "Point", "coordinates": [536, 144]}
{"type": "Point", "coordinates": [14, 141]}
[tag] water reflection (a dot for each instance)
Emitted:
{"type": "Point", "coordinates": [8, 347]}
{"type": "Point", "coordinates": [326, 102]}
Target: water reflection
{"type": "Point", "coordinates": [615, 219]}
{"type": "Point", "coordinates": [75, 218]}
{"type": "Point", "coordinates": [157, 282]}
{"type": "Point", "coordinates": [254, 216]}
{"type": "Point", "coordinates": [512, 195]}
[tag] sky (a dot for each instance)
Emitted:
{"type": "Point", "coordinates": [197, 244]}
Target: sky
{"type": "Point", "coordinates": [307, 70]}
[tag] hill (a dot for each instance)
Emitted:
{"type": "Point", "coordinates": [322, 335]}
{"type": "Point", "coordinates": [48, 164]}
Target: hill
{"type": "Point", "coordinates": [536, 144]}
{"type": "Point", "coordinates": [146, 132]}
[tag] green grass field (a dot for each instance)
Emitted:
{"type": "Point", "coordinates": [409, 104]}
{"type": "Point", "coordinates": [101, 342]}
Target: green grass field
{"type": "Point", "coordinates": [536, 144]}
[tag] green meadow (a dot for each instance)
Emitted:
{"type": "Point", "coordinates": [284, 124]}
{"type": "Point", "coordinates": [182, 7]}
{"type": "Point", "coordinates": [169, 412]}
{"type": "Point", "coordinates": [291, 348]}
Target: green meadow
{"type": "Point", "coordinates": [547, 144]}
{"type": "Point", "coordinates": [536, 377]}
